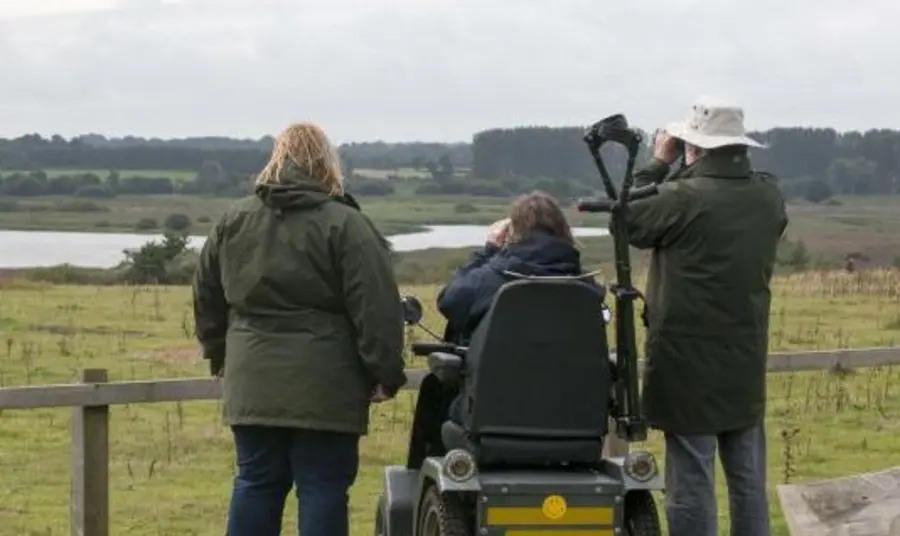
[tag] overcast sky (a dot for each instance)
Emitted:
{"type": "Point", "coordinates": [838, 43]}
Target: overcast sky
{"type": "Point", "coordinates": [438, 69]}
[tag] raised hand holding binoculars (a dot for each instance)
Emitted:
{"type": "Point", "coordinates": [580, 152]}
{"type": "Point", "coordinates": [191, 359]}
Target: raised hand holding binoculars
{"type": "Point", "coordinates": [498, 232]}
{"type": "Point", "coordinates": [667, 147]}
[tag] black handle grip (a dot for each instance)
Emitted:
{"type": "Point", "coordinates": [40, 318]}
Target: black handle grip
{"type": "Point", "coordinates": [595, 205]}
{"type": "Point", "coordinates": [425, 348]}
{"type": "Point", "coordinates": [607, 205]}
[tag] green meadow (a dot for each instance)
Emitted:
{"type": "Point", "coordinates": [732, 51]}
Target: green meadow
{"type": "Point", "coordinates": [172, 464]}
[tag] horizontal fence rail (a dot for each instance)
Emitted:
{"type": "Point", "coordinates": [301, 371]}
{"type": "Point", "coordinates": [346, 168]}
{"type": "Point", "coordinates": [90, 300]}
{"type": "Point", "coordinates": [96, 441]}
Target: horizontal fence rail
{"type": "Point", "coordinates": [180, 390]}
{"type": "Point", "coordinates": [92, 398]}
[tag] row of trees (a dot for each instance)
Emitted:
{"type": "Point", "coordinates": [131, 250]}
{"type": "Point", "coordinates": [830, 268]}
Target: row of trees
{"type": "Point", "coordinates": [238, 156]}
{"type": "Point", "coordinates": [211, 179]}
{"type": "Point", "coordinates": [810, 162]}
{"type": "Point", "coordinates": [554, 153]}
{"type": "Point", "coordinates": [815, 163]}
{"type": "Point", "coordinates": [416, 155]}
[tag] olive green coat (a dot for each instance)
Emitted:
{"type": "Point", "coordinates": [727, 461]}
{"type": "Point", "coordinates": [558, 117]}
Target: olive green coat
{"type": "Point", "coordinates": [295, 293]}
{"type": "Point", "coordinates": [713, 229]}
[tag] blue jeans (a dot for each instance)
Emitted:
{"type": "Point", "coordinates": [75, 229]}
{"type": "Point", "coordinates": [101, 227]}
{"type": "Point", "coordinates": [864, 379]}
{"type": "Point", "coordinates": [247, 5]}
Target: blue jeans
{"type": "Point", "coordinates": [691, 488]}
{"type": "Point", "coordinates": [323, 466]}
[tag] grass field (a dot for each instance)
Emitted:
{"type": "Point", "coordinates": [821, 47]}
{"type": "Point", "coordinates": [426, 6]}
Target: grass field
{"type": "Point", "coordinates": [172, 464]}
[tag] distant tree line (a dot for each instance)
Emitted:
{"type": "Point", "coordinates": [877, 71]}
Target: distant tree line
{"type": "Point", "coordinates": [210, 179]}
{"type": "Point", "coordinates": [553, 153]}
{"type": "Point", "coordinates": [416, 155]}
{"type": "Point", "coordinates": [33, 152]}
{"type": "Point", "coordinates": [238, 156]}
{"type": "Point", "coordinates": [819, 162]}
{"type": "Point", "coordinates": [812, 163]}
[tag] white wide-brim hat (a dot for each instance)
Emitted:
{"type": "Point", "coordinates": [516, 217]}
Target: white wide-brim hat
{"type": "Point", "coordinates": [711, 125]}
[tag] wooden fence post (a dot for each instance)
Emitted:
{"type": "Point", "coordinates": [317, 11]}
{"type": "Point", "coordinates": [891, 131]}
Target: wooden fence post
{"type": "Point", "coordinates": [90, 464]}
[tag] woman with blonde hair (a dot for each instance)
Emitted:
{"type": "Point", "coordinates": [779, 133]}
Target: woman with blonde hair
{"type": "Point", "coordinates": [297, 309]}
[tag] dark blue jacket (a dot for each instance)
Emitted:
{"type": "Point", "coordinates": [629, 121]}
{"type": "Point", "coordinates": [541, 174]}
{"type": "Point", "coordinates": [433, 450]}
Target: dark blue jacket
{"type": "Point", "coordinates": [468, 296]}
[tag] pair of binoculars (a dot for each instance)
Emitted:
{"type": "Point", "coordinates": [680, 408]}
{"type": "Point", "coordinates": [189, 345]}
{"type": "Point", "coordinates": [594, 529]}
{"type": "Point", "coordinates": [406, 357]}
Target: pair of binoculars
{"type": "Point", "coordinates": [613, 128]}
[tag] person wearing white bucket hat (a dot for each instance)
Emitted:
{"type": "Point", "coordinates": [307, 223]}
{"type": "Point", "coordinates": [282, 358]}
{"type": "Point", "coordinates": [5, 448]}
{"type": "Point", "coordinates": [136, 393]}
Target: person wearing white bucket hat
{"type": "Point", "coordinates": [713, 229]}
{"type": "Point", "coordinates": [711, 125]}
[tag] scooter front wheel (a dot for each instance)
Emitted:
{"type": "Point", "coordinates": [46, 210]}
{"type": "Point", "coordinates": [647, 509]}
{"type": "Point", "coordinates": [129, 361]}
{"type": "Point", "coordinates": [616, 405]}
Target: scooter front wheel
{"type": "Point", "coordinates": [443, 514]}
{"type": "Point", "coordinates": [641, 517]}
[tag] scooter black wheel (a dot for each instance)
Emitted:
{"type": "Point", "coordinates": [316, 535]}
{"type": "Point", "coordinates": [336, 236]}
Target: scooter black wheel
{"type": "Point", "coordinates": [443, 514]}
{"type": "Point", "coordinates": [641, 517]}
{"type": "Point", "coordinates": [380, 521]}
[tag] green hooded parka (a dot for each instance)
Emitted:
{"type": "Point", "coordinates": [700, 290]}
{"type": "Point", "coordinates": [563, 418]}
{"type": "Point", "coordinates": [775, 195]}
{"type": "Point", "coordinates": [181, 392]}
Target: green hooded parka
{"type": "Point", "coordinates": [713, 230]}
{"type": "Point", "coordinates": [295, 296]}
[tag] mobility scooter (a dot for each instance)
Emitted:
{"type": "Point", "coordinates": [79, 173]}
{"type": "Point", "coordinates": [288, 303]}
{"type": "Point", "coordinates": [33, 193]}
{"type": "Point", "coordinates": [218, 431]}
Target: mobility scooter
{"type": "Point", "coordinates": [541, 389]}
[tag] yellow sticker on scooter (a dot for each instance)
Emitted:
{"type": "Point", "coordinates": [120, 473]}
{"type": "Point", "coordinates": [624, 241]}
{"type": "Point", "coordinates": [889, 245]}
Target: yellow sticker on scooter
{"type": "Point", "coordinates": [554, 507]}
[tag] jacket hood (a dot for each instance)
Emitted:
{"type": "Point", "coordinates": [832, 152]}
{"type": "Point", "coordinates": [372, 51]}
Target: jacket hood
{"type": "Point", "coordinates": [542, 255]}
{"type": "Point", "coordinates": [295, 189]}
{"type": "Point", "coordinates": [295, 196]}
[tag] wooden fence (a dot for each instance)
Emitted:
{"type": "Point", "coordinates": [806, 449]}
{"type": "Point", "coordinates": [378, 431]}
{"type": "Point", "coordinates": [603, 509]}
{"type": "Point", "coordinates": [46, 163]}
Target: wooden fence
{"type": "Point", "coordinates": [92, 398]}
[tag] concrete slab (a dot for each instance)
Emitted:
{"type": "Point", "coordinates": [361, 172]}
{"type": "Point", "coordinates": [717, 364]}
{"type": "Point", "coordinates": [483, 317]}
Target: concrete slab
{"type": "Point", "coordinates": [867, 504]}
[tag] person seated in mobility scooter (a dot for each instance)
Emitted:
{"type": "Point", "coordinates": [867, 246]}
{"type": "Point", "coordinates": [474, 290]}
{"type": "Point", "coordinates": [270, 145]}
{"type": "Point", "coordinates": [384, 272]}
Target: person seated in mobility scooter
{"type": "Point", "coordinates": [535, 240]}
{"type": "Point", "coordinates": [526, 458]}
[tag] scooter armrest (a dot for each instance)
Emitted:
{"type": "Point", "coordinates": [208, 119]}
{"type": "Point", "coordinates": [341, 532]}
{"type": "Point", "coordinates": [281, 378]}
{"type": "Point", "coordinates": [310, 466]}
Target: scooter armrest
{"type": "Point", "coordinates": [447, 367]}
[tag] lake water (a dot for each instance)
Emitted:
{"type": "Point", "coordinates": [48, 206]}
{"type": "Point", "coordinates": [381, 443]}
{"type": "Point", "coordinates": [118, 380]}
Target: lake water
{"type": "Point", "coordinates": [28, 249]}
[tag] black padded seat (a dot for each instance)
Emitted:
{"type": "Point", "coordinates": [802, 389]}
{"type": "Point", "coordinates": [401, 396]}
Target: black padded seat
{"type": "Point", "coordinates": [537, 378]}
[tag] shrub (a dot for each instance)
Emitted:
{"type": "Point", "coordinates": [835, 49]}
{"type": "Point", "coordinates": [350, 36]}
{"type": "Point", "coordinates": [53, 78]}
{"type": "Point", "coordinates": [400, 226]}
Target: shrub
{"type": "Point", "coordinates": [70, 184]}
{"type": "Point", "coordinates": [152, 262]}
{"type": "Point", "coordinates": [23, 186]}
{"type": "Point", "coordinates": [797, 256]}
{"type": "Point", "coordinates": [203, 219]}
{"type": "Point", "coordinates": [146, 224]}
{"type": "Point", "coordinates": [102, 224]}
{"type": "Point", "coordinates": [817, 191]}
{"type": "Point", "coordinates": [177, 222]}
{"type": "Point", "coordinates": [465, 208]}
